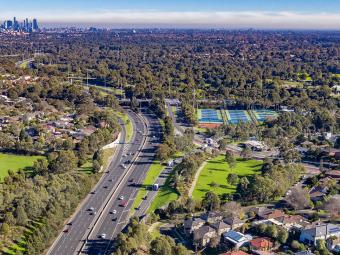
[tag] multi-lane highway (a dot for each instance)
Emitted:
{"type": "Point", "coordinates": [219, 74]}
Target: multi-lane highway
{"type": "Point", "coordinates": [104, 212]}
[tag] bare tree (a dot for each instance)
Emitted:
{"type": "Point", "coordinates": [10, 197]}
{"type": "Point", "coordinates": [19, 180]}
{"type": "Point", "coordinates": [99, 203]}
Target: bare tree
{"type": "Point", "coordinates": [298, 198]}
{"type": "Point", "coordinates": [232, 209]}
{"type": "Point", "coordinates": [333, 205]}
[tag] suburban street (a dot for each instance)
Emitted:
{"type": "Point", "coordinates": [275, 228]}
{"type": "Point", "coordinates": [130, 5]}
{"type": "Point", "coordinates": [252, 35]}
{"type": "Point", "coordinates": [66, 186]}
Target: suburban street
{"type": "Point", "coordinates": [86, 221]}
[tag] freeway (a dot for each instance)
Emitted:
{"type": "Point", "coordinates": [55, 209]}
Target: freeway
{"type": "Point", "coordinates": [82, 222]}
{"type": "Point", "coordinates": [115, 216]}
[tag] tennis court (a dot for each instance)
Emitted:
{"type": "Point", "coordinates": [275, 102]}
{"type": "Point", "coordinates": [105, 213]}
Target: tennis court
{"type": "Point", "coordinates": [262, 115]}
{"type": "Point", "coordinates": [209, 116]}
{"type": "Point", "coordinates": [236, 116]}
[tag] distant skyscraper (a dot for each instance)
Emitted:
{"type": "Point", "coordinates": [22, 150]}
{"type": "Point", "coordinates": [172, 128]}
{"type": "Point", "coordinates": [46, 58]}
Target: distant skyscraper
{"type": "Point", "coordinates": [35, 25]}
{"type": "Point", "coordinates": [8, 24]}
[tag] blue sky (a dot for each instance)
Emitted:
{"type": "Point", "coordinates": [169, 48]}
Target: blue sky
{"type": "Point", "coordinates": [191, 13]}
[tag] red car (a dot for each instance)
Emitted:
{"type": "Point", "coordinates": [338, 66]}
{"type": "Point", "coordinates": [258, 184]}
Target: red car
{"type": "Point", "coordinates": [123, 203]}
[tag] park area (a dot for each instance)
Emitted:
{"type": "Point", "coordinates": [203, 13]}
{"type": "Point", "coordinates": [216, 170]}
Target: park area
{"type": "Point", "coordinates": [209, 118]}
{"type": "Point", "coordinates": [15, 162]}
{"type": "Point", "coordinates": [213, 176]}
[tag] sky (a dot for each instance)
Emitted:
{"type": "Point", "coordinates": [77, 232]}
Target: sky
{"type": "Point", "coordinates": [261, 14]}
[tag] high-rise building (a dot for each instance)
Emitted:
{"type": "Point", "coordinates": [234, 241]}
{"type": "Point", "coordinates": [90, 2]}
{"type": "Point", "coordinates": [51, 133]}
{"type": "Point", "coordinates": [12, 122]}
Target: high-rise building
{"type": "Point", "coordinates": [8, 24]}
{"type": "Point", "coordinates": [35, 25]}
{"type": "Point", "coordinates": [25, 26]}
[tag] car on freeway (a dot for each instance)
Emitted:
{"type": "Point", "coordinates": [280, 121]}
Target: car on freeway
{"type": "Point", "coordinates": [114, 211]}
{"type": "Point", "coordinates": [103, 235]}
{"type": "Point", "coordinates": [65, 230]}
{"type": "Point", "coordinates": [123, 204]}
{"type": "Point", "coordinates": [93, 192]}
{"type": "Point", "coordinates": [93, 213]}
{"type": "Point", "coordinates": [121, 198]}
{"type": "Point", "coordinates": [91, 209]}
{"type": "Point", "coordinates": [131, 180]}
{"type": "Point", "coordinates": [105, 187]}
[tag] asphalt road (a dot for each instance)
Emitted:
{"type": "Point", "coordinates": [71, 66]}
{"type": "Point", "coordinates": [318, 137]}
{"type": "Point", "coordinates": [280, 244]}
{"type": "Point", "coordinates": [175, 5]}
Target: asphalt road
{"type": "Point", "coordinates": [111, 224]}
{"type": "Point", "coordinates": [71, 239]}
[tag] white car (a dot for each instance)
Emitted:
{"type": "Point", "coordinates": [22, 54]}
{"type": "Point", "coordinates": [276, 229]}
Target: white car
{"type": "Point", "coordinates": [114, 211]}
{"type": "Point", "coordinates": [103, 236]}
{"type": "Point", "coordinates": [91, 209]}
{"type": "Point", "coordinates": [121, 198]}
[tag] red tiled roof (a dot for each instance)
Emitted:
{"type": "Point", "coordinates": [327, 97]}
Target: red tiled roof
{"type": "Point", "coordinates": [261, 243]}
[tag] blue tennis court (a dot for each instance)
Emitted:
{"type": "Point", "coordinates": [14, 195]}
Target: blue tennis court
{"type": "Point", "coordinates": [209, 116]}
{"type": "Point", "coordinates": [236, 116]}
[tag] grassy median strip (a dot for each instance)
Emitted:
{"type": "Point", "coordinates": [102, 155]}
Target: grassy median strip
{"type": "Point", "coordinates": [128, 125]}
{"type": "Point", "coordinates": [150, 178]}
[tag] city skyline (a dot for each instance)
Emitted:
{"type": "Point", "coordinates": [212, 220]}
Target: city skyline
{"type": "Point", "coordinates": [261, 14]}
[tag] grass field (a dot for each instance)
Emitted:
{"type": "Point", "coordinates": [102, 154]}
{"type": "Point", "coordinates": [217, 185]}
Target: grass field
{"type": "Point", "coordinates": [217, 171]}
{"type": "Point", "coordinates": [15, 162]}
{"type": "Point", "coordinates": [128, 125]}
{"type": "Point", "coordinates": [165, 195]}
{"type": "Point", "coordinates": [150, 178]}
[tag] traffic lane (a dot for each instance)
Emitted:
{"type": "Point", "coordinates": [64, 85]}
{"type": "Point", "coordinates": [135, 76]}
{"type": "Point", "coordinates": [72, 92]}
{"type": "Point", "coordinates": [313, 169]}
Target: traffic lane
{"type": "Point", "coordinates": [137, 175]}
{"type": "Point", "coordinates": [112, 230]}
{"type": "Point", "coordinates": [96, 245]}
{"type": "Point", "coordinates": [68, 241]}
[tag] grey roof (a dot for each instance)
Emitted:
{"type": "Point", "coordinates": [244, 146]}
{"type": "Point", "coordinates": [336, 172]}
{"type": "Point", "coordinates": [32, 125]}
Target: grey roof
{"type": "Point", "coordinates": [199, 233]}
{"type": "Point", "coordinates": [232, 220]}
{"type": "Point", "coordinates": [193, 222]}
{"type": "Point", "coordinates": [220, 225]}
{"type": "Point", "coordinates": [324, 229]}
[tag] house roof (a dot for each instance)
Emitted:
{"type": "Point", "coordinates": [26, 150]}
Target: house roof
{"type": "Point", "coordinates": [333, 173]}
{"type": "Point", "coordinates": [289, 219]}
{"type": "Point", "coordinates": [261, 242]}
{"type": "Point", "coordinates": [202, 231]}
{"type": "Point", "coordinates": [232, 220]}
{"type": "Point", "coordinates": [208, 215]}
{"type": "Point", "coordinates": [271, 214]}
{"type": "Point", "coordinates": [234, 253]}
{"type": "Point", "coordinates": [236, 237]}
{"type": "Point", "coordinates": [192, 222]}
{"type": "Point", "coordinates": [324, 229]}
{"type": "Point", "coordinates": [220, 225]}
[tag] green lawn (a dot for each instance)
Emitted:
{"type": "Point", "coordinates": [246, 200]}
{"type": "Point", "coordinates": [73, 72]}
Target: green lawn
{"type": "Point", "coordinates": [217, 170]}
{"type": "Point", "coordinates": [87, 168]}
{"type": "Point", "coordinates": [150, 178]}
{"type": "Point", "coordinates": [165, 195]}
{"type": "Point", "coordinates": [15, 162]}
{"type": "Point", "coordinates": [128, 125]}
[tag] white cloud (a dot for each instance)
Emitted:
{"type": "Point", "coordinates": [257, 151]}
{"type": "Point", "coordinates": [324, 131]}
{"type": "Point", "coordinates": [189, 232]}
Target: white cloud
{"type": "Point", "coordinates": [243, 19]}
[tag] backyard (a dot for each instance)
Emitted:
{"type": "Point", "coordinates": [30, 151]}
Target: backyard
{"type": "Point", "coordinates": [213, 176]}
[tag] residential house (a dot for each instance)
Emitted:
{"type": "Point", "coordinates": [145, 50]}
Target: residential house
{"type": "Point", "coordinates": [220, 227]}
{"type": "Point", "coordinates": [261, 244]}
{"type": "Point", "coordinates": [267, 214]}
{"type": "Point", "coordinates": [290, 222]}
{"type": "Point", "coordinates": [319, 232]}
{"type": "Point", "coordinates": [192, 224]}
{"type": "Point", "coordinates": [212, 217]}
{"type": "Point", "coordinates": [335, 174]}
{"type": "Point", "coordinates": [235, 238]}
{"type": "Point", "coordinates": [89, 130]}
{"type": "Point", "coordinates": [203, 235]}
{"type": "Point", "coordinates": [234, 222]}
